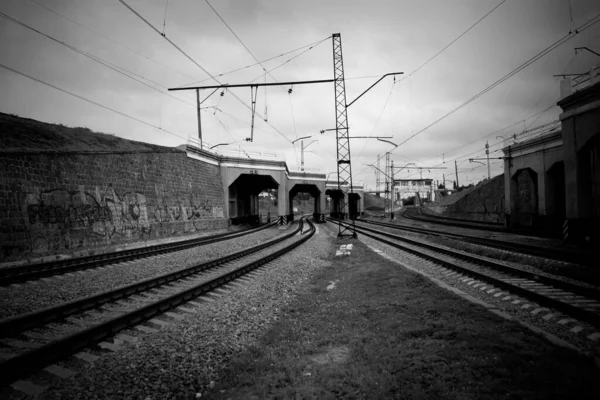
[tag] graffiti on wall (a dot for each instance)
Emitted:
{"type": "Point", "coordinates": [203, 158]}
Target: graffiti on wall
{"type": "Point", "coordinates": [59, 220]}
{"type": "Point", "coordinates": [190, 206]}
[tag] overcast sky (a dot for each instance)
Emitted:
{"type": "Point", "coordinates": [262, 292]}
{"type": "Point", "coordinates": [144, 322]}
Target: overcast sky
{"type": "Point", "coordinates": [377, 37]}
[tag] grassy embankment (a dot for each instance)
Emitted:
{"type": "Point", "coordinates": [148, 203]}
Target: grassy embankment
{"type": "Point", "coordinates": [385, 332]}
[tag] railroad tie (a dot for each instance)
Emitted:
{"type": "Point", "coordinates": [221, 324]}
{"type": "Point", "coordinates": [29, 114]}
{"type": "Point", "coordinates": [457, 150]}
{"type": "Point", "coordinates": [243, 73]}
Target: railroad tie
{"type": "Point", "coordinates": [28, 388]}
{"type": "Point", "coordinates": [145, 329]}
{"type": "Point", "coordinates": [58, 371]}
{"type": "Point", "coordinates": [109, 346]}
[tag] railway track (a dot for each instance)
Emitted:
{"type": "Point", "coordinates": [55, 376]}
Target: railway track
{"type": "Point", "coordinates": [37, 339]}
{"type": "Point", "coordinates": [536, 251]}
{"type": "Point", "coordinates": [23, 273]}
{"type": "Point", "coordinates": [578, 301]}
{"type": "Point", "coordinates": [418, 215]}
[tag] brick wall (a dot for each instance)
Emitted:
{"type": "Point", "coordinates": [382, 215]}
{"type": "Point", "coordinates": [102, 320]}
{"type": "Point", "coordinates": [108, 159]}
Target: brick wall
{"type": "Point", "coordinates": [62, 204]}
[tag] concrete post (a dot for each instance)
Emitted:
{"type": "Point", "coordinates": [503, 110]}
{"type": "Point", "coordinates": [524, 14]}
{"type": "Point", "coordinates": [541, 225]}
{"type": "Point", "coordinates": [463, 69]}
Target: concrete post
{"type": "Point", "coordinates": [322, 202]}
{"type": "Point", "coordinates": [282, 203]}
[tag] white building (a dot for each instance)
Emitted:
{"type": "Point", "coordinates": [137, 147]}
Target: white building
{"type": "Point", "coordinates": [405, 188]}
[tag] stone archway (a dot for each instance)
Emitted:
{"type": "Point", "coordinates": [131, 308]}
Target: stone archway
{"type": "Point", "coordinates": [525, 183]}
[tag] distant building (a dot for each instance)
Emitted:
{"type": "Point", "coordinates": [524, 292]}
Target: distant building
{"type": "Point", "coordinates": [406, 188]}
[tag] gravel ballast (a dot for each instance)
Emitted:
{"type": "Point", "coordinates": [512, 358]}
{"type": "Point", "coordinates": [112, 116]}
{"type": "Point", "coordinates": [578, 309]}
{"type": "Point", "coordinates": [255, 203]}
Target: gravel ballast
{"type": "Point", "coordinates": [27, 297]}
{"type": "Point", "coordinates": [182, 359]}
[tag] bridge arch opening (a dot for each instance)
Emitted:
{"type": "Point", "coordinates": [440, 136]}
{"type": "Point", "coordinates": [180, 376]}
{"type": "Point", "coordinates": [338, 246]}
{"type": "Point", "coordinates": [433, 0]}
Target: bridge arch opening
{"type": "Point", "coordinates": [302, 193]}
{"type": "Point", "coordinates": [244, 197]}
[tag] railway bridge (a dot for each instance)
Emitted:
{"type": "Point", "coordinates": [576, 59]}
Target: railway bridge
{"type": "Point", "coordinates": [244, 178]}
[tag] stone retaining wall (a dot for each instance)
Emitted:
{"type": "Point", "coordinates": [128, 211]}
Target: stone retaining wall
{"type": "Point", "coordinates": [484, 203]}
{"type": "Point", "coordinates": [75, 203]}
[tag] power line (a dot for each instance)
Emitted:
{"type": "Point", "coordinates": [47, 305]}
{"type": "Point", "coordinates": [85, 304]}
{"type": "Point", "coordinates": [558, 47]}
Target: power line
{"type": "Point", "coordinates": [293, 58]}
{"type": "Point", "coordinates": [239, 40]}
{"type": "Point", "coordinates": [550, 87]}
{"type": "Point", "coordinates": [99, 60]}
{"type": "Point", "coordinates": [497, 131]}
{"type": "Point", "coordinates": [109, 39]}
{"type": "Point", "coordinates": [460, 157]}
{"type": "Point", "coordinates": [90, 101]}
{"type": "Point", "coordinates": [539, 114]}
{"type": "Point", "coordinates": [541, 54]}
{"type": "Point", "coordinates": [253, 65]}
{"type": "Point", "coordinates": [198, 65]}
{"type": "Point", "coordinates": [379, 117]}
{"type": "Point", "coordinates": [452, 42]}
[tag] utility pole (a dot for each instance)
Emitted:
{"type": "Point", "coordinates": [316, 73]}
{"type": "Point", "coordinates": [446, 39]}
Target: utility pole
{"type": "Point", "coordinates": [387, 180]}
{"type": "Point", "coordinates": [444, 175]}
{"type": "Point", "coordinates": [199, 119]}
{"type": "Point", "coordinates": [302, 155]}
{"type": "Point", "coordinates": [456, 170]}
{"type": "Point", "coordinates": [392, 191]}
{"type": "Point", "coordinates": [487, 153]}
{"type": "Point", "coordinates": [377, 177]}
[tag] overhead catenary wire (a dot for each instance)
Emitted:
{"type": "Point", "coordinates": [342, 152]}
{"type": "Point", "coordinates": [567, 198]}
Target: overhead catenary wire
{"type": "Point", "coordinates": [127, 73]}
{"type": "Point", "coordinates": [489, 134]}
{"type": "Point", "coordinates": [550, 87]}
{"type": "Point", "coordinates": [454, 41]}
{"type": "Point", "coordinates": [541, 54]}
{"type": "Point", "coordinates": [90, 101]}
{"type": "Point", "coordinates": [471, 154]}
{"type": "Point", "coordinates": [199, 66]}
{"type": "Point", "coordinates": [379, 117]}
{"type": "Point", "coordinates": [253, 65]}
{"type": "Point", "coordinates": [440, 52]}
{"type": "Point", "coordinates": [240, 40]}
{"type": "Point", "coordinates": [293, 58]}
{"type": "Point", "coordinates": [111, 40]}
{"type": "Point", "coordinates": [583, 27]}
{"type": "Point", "coordinates": [527, 127]}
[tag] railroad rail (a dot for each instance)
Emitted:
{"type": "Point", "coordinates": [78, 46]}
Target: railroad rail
{"type": "Point", "coordinates": [582, 302]}
{"type": "Point", "coordinates": [485, 226]}
{"type": "Point", "coordinates": [22, 273]}
{"type": "Point", "coordinates": [547, 253]}
{"type": "Point", "coordinates": [173, 290]}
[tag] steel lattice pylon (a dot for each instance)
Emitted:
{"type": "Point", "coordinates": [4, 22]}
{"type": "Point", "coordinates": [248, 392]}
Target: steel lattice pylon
{"type": "Point", "coordinates": [344, 166]}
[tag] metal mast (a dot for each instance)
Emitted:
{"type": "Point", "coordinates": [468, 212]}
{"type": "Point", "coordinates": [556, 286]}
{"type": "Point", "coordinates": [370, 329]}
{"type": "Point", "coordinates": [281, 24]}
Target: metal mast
{"type": "Point", "coordinates": [387, 180]}
{"type": "Point", "coordinates": [377, 177]}
{"type": "Point", "coordinates": [344, 167]}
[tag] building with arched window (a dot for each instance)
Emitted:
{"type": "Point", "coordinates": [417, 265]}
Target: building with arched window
{"type": "Point", "coordinates": [552, 181]}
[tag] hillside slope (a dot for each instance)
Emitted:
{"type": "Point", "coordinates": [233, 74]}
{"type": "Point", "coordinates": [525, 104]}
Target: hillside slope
{"type": "Point", "coordinates": [27, 135]}
{"type": "Point", "coordinates": [373, 203]}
